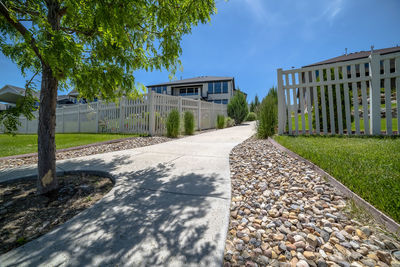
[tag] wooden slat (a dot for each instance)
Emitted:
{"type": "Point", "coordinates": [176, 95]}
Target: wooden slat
{"type": "Point", "coordinates": [303, 121]}
{"type": "Point", "coordinates": [397, 64]}
{"type": "Point", "coordinates": [289, 112]}
{"type": "Point", "coordinates": [331, 111]}
{"type": "Point", "coordinates": [347, 107]}
{"type": "Point", "coordinates": [324, 115]}
{"type": "Point", "coordinates": [365, 107]}
{"type": "Point", "coordinates": [316, 109]}
{"type": "Point", "coordinates": [338, 101]}
{"type": "Point", "coordinates": [388, 104]}
{"type": "Point", "coordinates": [339, 108]}
{"type": "Point", "coordinates": [309, 105]}
{"type": "Point", "coordinates": [296, 108]}
{"type": "Point", "coordinates": [355, 99]}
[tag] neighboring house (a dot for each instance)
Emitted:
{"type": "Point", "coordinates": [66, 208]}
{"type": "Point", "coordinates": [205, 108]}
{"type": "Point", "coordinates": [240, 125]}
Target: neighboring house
{"type": "Point", "coordinates": [207, 88]}
{"type": "Point", "coordinates": [63, 100]}
{"type": "Point", "coordinates": [10, 94]}
{"type": "Point", "coordinates": [348, 58]}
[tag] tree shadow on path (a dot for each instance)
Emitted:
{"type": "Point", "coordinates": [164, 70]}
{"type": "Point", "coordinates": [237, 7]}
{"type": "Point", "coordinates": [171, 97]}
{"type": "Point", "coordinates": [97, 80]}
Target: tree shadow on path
{"type": "Point", "coordinates": [144, 220]}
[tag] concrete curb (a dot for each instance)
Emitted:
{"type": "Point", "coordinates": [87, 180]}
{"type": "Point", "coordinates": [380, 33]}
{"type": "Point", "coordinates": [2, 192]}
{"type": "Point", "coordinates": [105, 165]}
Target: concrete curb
{"type": "Point", "coordinates": [74, 148]}
{"type": "Point", "coordinates": [382, 218]}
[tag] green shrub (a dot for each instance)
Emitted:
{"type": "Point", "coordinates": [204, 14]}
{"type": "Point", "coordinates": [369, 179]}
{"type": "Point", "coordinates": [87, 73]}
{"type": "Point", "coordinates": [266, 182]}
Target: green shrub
{"type": "Point", "coordinates": [188, 119]}
{"type": "Point", "coordinates": [173, 123]}
{"type": "Point", "coordinates": [220, 121]}
{"type": "Point", "coordinates": [268, 115]}
{"type": "Point", "coordinates": [230, 122]}
{"type": "Point", "coordinates": [237, 107]}
{"type": "Point", "coordinates": [251, 116]}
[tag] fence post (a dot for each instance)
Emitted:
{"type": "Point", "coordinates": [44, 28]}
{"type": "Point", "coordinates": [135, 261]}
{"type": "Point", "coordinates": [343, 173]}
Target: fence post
{"type": "Point", "coordinates": [79, 117]}
{"type": "Point", "coordinates": [199, 115]}
{"type": "Point", "coordinates": [62, 116]}
{"type": "Point", "coordinates": [375, 94]}
{"type": "Point", "coordinates": [152, 120]}
{"type": "Point", "coordinates": [281, 104]}
{"type": "Point", "coordinates": [26, 125]}
{"type": "Point", "coordinates": [121, 115]}
{"type": "Point", "coordinates": [97, 116]}
{"type": "Point", "coordinates": [180, 105]}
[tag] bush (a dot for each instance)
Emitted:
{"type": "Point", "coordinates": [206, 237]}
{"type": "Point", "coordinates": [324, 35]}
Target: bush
{"type": "Point", "coordinates": [220, 121]}
{"type": "Point", "coordinates": [237, 107]}
{"type": "Point", "coordinates": [188, 119]}
{"type": "Point", "coordinates": [251, 116]}
{"type": "Point", "coordinates": [173, 123]}
{"type": "Point", "coordinates": [268, 115]}
{"type": "Point", "coordinates": [230, 122]}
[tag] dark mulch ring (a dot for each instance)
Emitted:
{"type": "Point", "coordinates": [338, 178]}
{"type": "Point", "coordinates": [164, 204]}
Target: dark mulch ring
{"type": "Point", "coordinates": [24, 215]}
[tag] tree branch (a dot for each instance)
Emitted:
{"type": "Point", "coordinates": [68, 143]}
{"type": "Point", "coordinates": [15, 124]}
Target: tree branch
{"type": "Point", "coordinates": [21, 29]}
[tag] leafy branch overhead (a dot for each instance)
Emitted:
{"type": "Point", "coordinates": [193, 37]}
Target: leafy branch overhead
{"type": "Point", "coordinates": [97, 46]}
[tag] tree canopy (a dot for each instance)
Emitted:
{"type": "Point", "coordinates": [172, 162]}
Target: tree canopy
{"type": "Point", "coordinates": [97, 45]}
{"type": "Point", "coordinates": [94, 47]}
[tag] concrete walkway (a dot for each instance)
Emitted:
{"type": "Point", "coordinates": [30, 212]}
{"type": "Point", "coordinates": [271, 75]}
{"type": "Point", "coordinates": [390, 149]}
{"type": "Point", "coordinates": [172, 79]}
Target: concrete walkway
{"type": "Point", "coordinates": [169, 207]}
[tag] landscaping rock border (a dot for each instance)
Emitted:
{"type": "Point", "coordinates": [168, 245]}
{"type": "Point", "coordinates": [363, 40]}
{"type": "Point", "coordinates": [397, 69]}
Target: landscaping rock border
{"type": "Point", "coordinates": [379, 216]}
{"type": "Point", "coordinates": [285, 213]}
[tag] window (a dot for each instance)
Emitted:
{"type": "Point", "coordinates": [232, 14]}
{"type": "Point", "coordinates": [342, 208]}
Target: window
{"type": "Point", "coordinates": [217, 87]}
{"type": "Point", "coordinates": [225, 101]}
{"type": "Point", "coordinates": [225, 87]}
{"type": "Point", "coordinates": [158, 90]}
{"type": "Point", "coordinates": [217, 101]}
{"type": "Point", "coordinates": [210, 88]}
{"type": "Point", "coordinates": [182, 91]}
{"type": "Point", "coordinates": [164, 89]}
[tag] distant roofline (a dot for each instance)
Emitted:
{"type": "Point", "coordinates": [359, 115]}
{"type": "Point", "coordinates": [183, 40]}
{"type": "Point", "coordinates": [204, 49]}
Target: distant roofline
{"type": "Point", "coordinates": [355, 55]}
{"type": "Point", "coordinates": [195, 80]}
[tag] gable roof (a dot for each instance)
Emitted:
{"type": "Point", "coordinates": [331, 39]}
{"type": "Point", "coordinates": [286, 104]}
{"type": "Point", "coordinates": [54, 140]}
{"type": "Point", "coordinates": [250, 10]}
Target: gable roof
{"type": "Point", "coordinates": [356, 55]}
{"type": "Point", "coordinates": [200, 79]}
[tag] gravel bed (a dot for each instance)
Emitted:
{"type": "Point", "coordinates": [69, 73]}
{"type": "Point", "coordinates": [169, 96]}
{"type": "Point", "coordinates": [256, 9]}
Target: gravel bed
{"type": "Point", "coordinates": [285, 214]}
{"type": "Point", "coordinates": [96, 149]}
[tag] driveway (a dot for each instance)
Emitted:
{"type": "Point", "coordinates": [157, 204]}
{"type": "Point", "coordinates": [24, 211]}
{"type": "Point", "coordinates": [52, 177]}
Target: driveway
{"type": "Point", "coordinates": [169, 206]}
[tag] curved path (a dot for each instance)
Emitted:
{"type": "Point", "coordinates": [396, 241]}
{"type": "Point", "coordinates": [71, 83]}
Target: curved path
{"type": "Point", "coordinates": [169, 207]}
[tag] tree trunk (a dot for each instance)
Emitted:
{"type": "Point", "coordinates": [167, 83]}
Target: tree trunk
{"type": "Point", "coordinates": [47, 179]}
{"type": "Point", "coordinates": [46, 133]}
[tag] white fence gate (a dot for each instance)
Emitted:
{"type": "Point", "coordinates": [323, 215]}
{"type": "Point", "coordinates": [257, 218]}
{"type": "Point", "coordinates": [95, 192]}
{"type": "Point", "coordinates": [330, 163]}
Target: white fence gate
{"type": "Point", "coordinates": [145, 115]}
{"type": "Point", "coordinates": [353, 97]}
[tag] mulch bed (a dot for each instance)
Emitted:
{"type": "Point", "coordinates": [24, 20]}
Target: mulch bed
{"type": "Point", "coordinates": [24, 215]}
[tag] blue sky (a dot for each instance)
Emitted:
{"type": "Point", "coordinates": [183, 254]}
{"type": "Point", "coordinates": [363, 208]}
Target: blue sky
{"type": "Point", "coordinates": [250, 39]}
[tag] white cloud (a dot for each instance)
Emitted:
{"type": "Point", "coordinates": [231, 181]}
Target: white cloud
{"type": "Point", "coordinates": [332, 9]}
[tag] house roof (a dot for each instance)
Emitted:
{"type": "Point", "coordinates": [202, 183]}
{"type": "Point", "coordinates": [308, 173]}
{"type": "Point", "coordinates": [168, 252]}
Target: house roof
{"type": "Point", "coordinates": [356, 55]}
{"type": "Point", "coordinates": [200, 79]}
{"type": "Point", "coordinates": [11, 93]}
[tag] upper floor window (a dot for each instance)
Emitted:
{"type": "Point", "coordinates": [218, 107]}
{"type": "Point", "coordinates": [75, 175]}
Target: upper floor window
{"type": "Point", "coordinates": [217, 87]}
{"type": "Point", "coordinates": [210, 88]}
{"type": "Point", "coordinates": [225, 87]}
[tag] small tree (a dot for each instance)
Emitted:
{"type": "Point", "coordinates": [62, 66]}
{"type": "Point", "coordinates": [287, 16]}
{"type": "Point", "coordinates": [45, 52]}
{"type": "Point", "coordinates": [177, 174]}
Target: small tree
{"type": "Point", "coordinates": [237, 107]}
{"type": "Point", "coordinates": [268, 115]}
{"type": "Point", "coordinates": [93, 46]}
{"type": "Point", "coordinates": [173, 123]}
{"type": "Point", "coordinates": [188, 119]}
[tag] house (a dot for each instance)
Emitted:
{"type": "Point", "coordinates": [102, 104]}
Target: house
{"type": "Point", "coordinates": [10, 94]}
{"type": "Point", "coordinates": [208, 88]}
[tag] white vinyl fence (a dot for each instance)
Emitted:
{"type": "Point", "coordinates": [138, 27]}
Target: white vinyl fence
{"type": "Point", "coordinates": [354, 97]}
{"type": "Point", "coordinates": [145, 115]}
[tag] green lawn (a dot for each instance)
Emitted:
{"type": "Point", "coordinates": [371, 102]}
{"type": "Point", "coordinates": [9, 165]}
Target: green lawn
{"type": "Point", "coordinates": [27, 143]}
{"type": "Point", "coordinates": [353, 126]}
{"type": "Point", "coordinates": [370, 167]}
